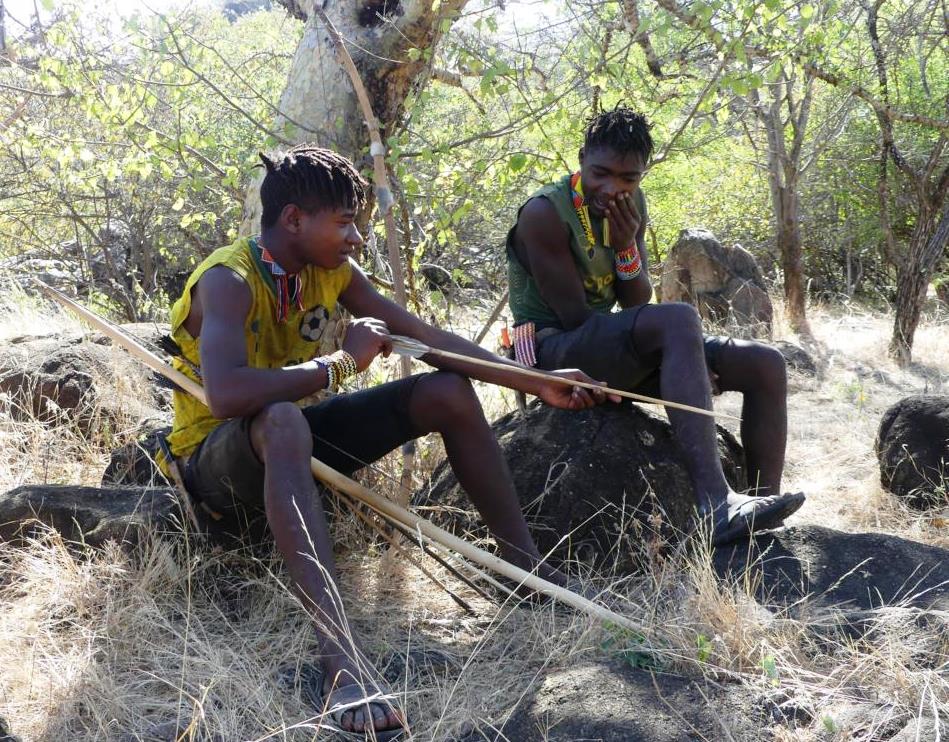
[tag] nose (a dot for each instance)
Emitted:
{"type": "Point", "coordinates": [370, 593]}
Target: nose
{"type": "Point", "coordinates": [353, 237]}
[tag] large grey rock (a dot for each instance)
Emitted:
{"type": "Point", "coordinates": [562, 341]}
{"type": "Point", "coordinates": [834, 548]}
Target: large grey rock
{"type": "Point", "coordinates": [723, 283]}
{"type": "Point", "coordinates": [612, 702]}
{"type": "Point", "coordinates": [609, 479]}
{"type": "Point", "coordinates": [849, 572]}
{"type": "Point", "coordinates": [912, 447]}
{"type": "Point", "coordinates": [88, 514]}
{"type": "Point", "coordinates": [79, 378]}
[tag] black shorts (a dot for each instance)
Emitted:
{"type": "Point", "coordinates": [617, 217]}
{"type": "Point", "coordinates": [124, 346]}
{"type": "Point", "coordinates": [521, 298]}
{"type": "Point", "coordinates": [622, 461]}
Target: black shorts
{"type": "Point", "coordinates": [349, 431]}
{"type": "Point", "coordinates": [603, 348]}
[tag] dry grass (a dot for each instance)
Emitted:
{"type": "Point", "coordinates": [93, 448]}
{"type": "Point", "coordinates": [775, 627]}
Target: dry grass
{"type": "Point", "coordinates": [177, 637]}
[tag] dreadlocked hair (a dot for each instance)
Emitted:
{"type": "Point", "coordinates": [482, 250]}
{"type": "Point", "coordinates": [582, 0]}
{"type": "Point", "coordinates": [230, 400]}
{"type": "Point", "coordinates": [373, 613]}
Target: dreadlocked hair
{"type": "Point", "coordinates": [313, 178]}
{"type": "Point", "coordinates": [622, 130]}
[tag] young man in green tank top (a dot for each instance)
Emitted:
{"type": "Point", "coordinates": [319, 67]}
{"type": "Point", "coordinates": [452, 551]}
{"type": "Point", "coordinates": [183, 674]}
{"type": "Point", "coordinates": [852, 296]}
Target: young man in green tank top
{"type": "Point", "coordinates": [249, 324]}
{"type": "Point", "coordinates": [576, 251]}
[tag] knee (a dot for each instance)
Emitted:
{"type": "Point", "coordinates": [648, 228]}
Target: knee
{"type": "Point", "coordinates": [449, 394]}
{"type": "Point", "coordinates": [680, 320]}
{"type": "Point", "coordinates": [281, 427]}
{"type": "Point", "coordinates": [770, 368]}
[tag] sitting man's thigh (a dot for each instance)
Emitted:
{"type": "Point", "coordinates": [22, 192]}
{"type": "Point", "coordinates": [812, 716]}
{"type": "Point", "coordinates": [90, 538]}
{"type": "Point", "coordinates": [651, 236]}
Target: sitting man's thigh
{"type": "Point", "coordinates": [602, 347]}
{"type": "Point", "coordinates": [353, 430]}
{"type": "Point", "coordinates": [224, 471]}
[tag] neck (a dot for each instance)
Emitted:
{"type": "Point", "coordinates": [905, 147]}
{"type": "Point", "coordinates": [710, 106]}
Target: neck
{"type": "Point", "coordinates": [280, 249]}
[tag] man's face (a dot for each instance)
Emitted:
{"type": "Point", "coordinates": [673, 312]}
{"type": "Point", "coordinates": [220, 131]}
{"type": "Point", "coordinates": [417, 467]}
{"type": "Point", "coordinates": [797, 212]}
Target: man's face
{"type": "Point", "coordinates": [606, 173]}
{"type": "Point", "coordinates": [327, 237]}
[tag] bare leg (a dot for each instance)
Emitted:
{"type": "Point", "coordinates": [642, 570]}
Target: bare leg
{"type": "Point", "coordinates": [445, 403]}
{"type": "Point", "coordinates": [281, 438]}
{"type": "Point", "coordinates": [759, 373]}
{"type": "Point", "coordinates": [671, 334]}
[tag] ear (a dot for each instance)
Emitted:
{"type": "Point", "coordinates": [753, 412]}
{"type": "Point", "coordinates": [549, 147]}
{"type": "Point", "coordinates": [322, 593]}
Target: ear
{"type": "Point", "coordinates": [290, 218]}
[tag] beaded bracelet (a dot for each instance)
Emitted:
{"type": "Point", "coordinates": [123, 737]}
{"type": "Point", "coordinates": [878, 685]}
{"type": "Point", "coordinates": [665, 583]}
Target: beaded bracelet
{"type": "Point", "coordinates": [628, 263]}
{"type": "Point", "coordinates": [339, 366]}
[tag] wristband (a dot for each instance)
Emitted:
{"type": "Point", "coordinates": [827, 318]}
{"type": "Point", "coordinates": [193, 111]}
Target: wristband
{"type": "Point", "coordinates": [339, 366]}
{"type": "Point", "coordinates": [628, 263]}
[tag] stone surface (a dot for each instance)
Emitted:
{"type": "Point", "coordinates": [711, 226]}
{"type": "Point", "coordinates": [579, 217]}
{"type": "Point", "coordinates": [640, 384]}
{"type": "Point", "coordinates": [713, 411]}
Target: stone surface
{"type": "Point", "coordinates": [615, 703]}
{"type": "Point", "coordinates": [612, 477]}
{"type": "Point", "coordinates": [797, 358]}
{"type": "Point", "coordinates": [87, 514]}
{"type": "Point", "coordinates": [924, 729]}
{"type": "Point", "coordinates": [912, 447]}
{"type": "Point", "coordinates": [723, 283]}
{"type": "Point", "coordinates": [850, 572]}
{"type": "Point", "coordinates": [79, 378]}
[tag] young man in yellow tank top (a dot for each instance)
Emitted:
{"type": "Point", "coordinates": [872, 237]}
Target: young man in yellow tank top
{"type": "Point", "coordinates": [249, 324]}
{"type": "Point", "coordinates": [576, 251]}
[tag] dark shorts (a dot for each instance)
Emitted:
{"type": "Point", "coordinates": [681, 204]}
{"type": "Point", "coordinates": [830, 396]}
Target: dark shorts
{"type": "Point", "coordinates": [603, 348]}
{"type": "Point", "coordinates": [349, 431]}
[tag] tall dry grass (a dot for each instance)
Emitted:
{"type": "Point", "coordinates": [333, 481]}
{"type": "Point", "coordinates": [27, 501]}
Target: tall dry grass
{"type": "Point", "coordinates": [178, 641]}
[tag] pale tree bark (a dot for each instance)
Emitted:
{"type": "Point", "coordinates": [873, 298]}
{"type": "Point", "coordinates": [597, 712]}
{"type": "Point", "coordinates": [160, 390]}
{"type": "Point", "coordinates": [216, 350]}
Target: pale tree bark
{"type": "Point", "coordinates": [319, 104]}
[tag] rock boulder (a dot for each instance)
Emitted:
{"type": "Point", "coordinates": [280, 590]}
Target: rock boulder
{"type": "Point", "coordinates": [723, 283]}
{"type": "Point", "coordinates": [608, 478]}
{"type": "Point", "coordinates": [88, 514]}
{"type": "Point", "coordinates": [912, 447]}
{"type": "Point", "coordinates": [80, 378]}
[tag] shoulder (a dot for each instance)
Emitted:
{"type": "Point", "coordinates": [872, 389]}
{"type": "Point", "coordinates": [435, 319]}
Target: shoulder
{"type": "Point", "coordinates": [539, 219]}
{"type": "Point", "coordinates": [223, 291]}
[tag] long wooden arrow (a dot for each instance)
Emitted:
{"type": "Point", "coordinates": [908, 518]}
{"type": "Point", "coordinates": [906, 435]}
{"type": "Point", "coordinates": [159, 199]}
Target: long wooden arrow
{"type": "Point", "coordinates": [379, 504]}
{"type": "Point", "coordinates": [411, 347]}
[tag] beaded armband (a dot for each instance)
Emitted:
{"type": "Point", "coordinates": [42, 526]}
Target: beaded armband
{"type": "Point", "coordinates": [628, 263]}
{"type": "Point", "coordinates": [339, 366]}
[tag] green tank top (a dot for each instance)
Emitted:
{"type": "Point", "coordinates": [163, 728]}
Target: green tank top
{"type": "Point", "coordinates": [595, 266]}
{"type": "Point", "coordinates": [270, 344]}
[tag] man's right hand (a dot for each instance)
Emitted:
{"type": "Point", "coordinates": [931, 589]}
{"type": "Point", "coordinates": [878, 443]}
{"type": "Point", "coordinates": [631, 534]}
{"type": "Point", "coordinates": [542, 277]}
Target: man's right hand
{"type": "Point", "coordinates": [366, 338]}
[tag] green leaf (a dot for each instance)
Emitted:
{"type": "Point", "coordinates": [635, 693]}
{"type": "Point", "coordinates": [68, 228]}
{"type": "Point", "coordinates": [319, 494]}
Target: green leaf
{"type": "Point", "coordinates": [178, 205]}
{"type": "Point", "coordinates": [807, 12]}
{"type": "Point", "coordinates": [517, 161]}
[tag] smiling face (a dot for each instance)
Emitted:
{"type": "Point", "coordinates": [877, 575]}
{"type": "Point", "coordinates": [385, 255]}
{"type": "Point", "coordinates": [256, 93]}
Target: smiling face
{"type": "Point", "coordinates": [325, 238]}
{"type": "Point", "coordinates": [606, 173]}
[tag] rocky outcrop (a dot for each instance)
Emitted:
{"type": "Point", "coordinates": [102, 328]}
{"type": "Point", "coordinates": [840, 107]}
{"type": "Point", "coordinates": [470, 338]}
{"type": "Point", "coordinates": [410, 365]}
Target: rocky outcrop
{"type": "Point", "coordinates": [89, 515]}
{"type": "Point", "coordinates": [723, 283]}
{"type": "Point", "coordinates": [596, 485]}
{"type": "Point", "coordinates": [912, 447]}
{"type": "Point", "coordinates": [612, 702]}
{"type": "Point", "coordinates": [80, 378]}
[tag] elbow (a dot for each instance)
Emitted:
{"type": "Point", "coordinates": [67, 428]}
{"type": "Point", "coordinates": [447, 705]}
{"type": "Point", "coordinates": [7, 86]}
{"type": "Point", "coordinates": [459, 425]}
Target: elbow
{"type": "Point", "coordinates": [219, 404]}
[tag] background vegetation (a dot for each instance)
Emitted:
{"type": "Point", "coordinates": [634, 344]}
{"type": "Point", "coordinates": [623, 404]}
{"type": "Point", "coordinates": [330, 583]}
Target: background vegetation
{"type": "Point", "coordinates": [127, 143]}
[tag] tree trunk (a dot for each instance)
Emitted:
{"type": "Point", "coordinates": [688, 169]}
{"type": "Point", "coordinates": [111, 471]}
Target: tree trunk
{"type": "Point", "coordinates": [927, 250]}
{"type": "Point", "coordinates": [785, 205]}
{"type": "Point", "coordinates": [792, 259]}
{"type": "Point", "coordinates": [319, 104]}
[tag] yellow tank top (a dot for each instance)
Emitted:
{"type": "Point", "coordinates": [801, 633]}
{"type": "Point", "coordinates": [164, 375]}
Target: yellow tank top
{"type": "Point", "coordinates": [269, 344]}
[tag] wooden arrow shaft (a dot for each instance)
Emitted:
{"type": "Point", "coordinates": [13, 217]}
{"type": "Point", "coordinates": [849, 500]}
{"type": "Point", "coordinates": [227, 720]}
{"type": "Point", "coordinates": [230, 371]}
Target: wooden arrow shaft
{"type": "Point", "coordinates": [534, 374]}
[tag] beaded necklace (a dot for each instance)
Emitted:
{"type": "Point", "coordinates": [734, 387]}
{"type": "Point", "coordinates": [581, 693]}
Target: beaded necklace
{"type": "Point", "coordinates": [288, 286]}
{"type": "Point", "coordinates": [583, 214]}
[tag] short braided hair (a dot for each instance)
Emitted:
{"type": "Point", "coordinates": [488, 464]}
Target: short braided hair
{"type": "Point", "coordinates": [621, 129]}
{"type": "Point", "coordinates": [311, 177]}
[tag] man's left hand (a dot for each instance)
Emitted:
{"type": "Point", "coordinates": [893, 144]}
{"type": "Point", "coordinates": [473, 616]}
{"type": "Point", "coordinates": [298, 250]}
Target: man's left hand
{"type": "Point", "coordinates": [569, 396]}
